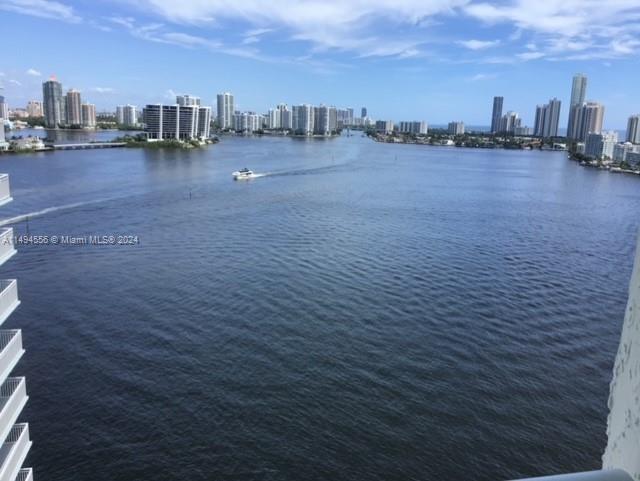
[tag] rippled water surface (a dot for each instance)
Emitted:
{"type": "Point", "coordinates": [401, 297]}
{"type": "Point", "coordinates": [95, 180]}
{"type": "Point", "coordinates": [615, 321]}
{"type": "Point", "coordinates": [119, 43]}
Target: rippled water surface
{"type": "Point", "coordinates": [362, 312]}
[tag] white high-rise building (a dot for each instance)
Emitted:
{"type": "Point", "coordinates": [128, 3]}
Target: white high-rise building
{"type": "Point", "coordinates": [13, 435]}
{"type": "Point", "coordinates": [165, 122]}
{"type": "Point", "coordinates": [508, 123]}
{"type": "Point", "coordinates": [4, 108]}
{"type": "Point", "coordinates": [127, 115]}
{"type": "Point", "coordinates": [285, 117]}
{"type": "Point", "coordinates": [601, 145]}
{"type": "Point", "coordinates": [578, 95]}
{"type": "Point", "coordinates": [633, 129]}
{"type": "Point", "coordinates": [456, 128]}
{"type": "Point", "coordinates": [187, 100]}
{"type": "Point", "coordinates": [384, 126]}
{"type": "Point", "coordinates": [588, 119]}
{"type": "Point", "coordinates": [74, 107]}
{"type": "Point", "coordinates": [89, 116]}
{"type": "Point", "coordinates": [303, 119]}
{"type": "Point", "coordinates": [226, 109]}
{"type": "Point", "coordinates": [34, 108]}
{"type": "Point", "coordinates": [412, 127]}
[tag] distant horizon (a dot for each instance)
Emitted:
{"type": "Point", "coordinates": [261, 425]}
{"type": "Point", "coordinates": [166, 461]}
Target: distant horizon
{"type": "Point", "coordinates": [432, 60]}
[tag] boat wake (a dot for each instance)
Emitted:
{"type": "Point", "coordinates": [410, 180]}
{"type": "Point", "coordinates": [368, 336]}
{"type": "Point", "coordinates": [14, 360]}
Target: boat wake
{"type": "Point", "coordinates": [310, 171]}
{"type": "Point", "coordinates": [48, 210]}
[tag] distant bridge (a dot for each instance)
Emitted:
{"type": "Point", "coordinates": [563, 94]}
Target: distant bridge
{"type": "Point", "coordinates": [89, 145]}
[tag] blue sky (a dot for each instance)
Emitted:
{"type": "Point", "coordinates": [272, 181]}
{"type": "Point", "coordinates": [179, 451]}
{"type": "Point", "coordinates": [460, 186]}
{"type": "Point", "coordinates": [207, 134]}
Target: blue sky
{"type": "Point", "coordinates": [432, 60]}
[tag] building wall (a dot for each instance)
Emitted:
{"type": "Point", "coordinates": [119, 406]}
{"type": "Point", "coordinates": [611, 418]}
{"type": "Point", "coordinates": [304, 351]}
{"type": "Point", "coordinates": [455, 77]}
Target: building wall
{"type": "Point", "coordinates": [623, 424]}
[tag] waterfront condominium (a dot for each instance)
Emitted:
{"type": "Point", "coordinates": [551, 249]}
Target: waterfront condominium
{"type": "Point", "coordinates": [4, 108]}
{"type": "Point", "coordinates": [303, 119]}
{"type": "Point", "coordinates": [74, 108]}
{"type": "Point", "coordinates": [455, 128]}
{"type": "Point", "coordinates": [496, 114]}
{"type": "Point", "coordinates": [89, 116]}
{"type": "Point", "coordinates": [588, 120]}
{"type": "Point", "coordinates": [633, 129]}
{"type": "Point", "coordinates": [412, 127]}
{"type": "Point", "coordinates": [226, 109]}
{"type": "Point", "coordinates": [578, 95]}
{"type": "Point", "coordinates": [547, 119]}
{"type": "Point", "coordinates": [13, 392]}
{"type": "Point", "coordinates": [53, 103]}
{"type": "Point", "coordinates": [187, 100]}
{"type": "Point", "coordinates": [34, 108]}
{"type": "Point", "coordinates": [126, 115]}
{"type": "Point", "coordinates": [164, 122]}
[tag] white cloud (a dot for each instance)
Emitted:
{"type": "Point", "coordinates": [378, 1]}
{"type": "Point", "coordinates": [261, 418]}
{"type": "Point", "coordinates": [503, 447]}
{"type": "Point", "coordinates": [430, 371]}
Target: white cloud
{"type": "Point", "coordinates": [41, 8]}
{"type": "Point", "coordinates": [482, 76]}
{"type": "Point", "coordinates": [530, 55]}
{"type": "Point", "coordinates": [15, 82]}
{"type": "Point", "coordinates": [326, 24]}
{"type": "Point", "coordinates": [478, 44]}
{"type": "Point", "coordinates": [102, 90]}
{"type": "Point", "coordinates": [569, 26]}
{"type": "Point", "coordinates": [34, 72]}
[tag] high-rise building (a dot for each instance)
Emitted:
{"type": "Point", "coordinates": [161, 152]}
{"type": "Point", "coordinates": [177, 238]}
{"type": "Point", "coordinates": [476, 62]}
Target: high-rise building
{"type": "Point", "coordinates": [4, 108]}
{"type": "Point", "coordinates": [127, 115]}
{"type": "Point", "coordinates": [285, 119]}
{"type": "Point", "coordinates": [247, 122]}
{"type": "Point", "coordinates": [88, 116]}
{"type": "Point", "coordinates": [363, 112]}
{"type": "Point", "coordinates": [547, 119]}
{"type": "Point", "coordinates": [588, 119]}
{"type": "Point", "coordinates": [74, 107]}
{"type": "Point", "coordinates": [187, 100]}
{"type": "Point", "coordinates": [601, 145]}
{"type": "Point", "coordinates": [456, 128]}
{"type": "Point", "coordinates": [508, 123]}
{"type": "Point", "coordinates": [633, 129]}
{"type": "Point", "coordinates": [34, 108]}
{"type": "Point", "coordinates": [303, 119]}
{"type": "Point", "coordinates": [54, 104]}
{"type": "Point", "coordinates": [226, 109]}
{"type": "Point", "coordinates": [496, 114]}
{"type": "Point", "coordinates": [13, 435]}
{"type": "Point", "coordinates": [175, 122]}
{"type": "Point", "coordinates": [578, 95]}
{"type": "Point", "coordinates": [412, 127]}
{"type": "Point", "coordinates": [204, 121]}
{"type": "Point", "coordinates": [621, 151]}
{"type": "Point", "coordinates": [384, 126]}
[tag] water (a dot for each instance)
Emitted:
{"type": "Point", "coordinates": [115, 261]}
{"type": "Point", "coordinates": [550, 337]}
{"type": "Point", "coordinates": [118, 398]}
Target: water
{"type": "Point", "coordinates": [363, 311]}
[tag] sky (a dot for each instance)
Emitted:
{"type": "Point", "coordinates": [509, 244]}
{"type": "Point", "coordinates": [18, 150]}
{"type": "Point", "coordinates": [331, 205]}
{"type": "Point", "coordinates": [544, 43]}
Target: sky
{"type": "Point", "coordinates": [431, 60]}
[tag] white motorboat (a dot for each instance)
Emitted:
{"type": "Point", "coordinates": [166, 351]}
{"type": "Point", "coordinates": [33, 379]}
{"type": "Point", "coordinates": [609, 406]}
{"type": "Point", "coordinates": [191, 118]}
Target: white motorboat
{"type": "Point", "coordinates": [243, 174]}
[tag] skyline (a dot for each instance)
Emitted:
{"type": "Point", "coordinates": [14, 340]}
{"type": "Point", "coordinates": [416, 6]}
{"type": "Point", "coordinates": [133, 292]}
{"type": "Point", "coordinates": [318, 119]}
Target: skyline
{"type": "Point", "coordinates": [449, 59]}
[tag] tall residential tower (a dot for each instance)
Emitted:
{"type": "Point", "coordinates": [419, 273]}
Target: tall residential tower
{"type": "Point", "coordinates": [53, 103]}
{"type": "Point", "coordinates": [578, 95]}
{"type": "Point", "coordinates": [496, 114]}
{"type": "Point", "coordinates": [226, 109]}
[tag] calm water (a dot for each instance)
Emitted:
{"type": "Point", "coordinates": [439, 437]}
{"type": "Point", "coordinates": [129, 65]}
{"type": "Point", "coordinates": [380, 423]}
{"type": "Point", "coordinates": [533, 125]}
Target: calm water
{"type": "Point", "coordinates": [364, 312]}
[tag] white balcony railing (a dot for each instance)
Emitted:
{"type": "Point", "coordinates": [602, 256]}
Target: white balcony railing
{"type": "Point", "coordinates": [10, 351]}
{"type": "Point", "coordinates": [14, 451]}
{"type": "Point", "coordinates": [13, 397]}
{"type": "Point", "coordinates": [5, 190]}
{"type": "Point", "coordinates": [25, 475]}
{"type": "Point", "coordinates": [8, 298]}
{"type": "Point", "coordinates": [6, 245]}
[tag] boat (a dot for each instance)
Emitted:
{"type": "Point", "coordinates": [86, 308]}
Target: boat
{"type": "Point", "coordinates": [243, 174]}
